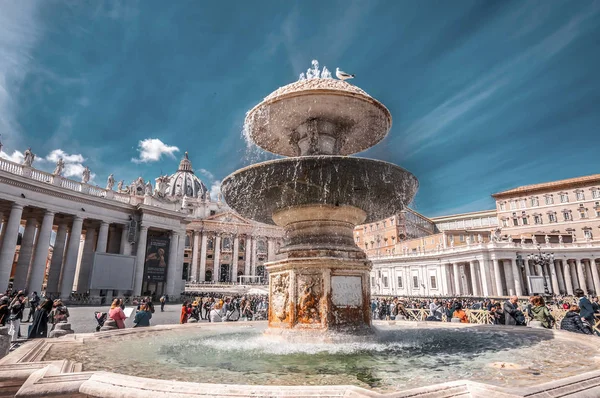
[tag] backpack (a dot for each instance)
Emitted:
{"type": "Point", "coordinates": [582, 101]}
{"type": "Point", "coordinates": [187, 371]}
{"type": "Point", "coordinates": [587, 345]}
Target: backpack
{"type": "Point", "coordinates": [520, 318]}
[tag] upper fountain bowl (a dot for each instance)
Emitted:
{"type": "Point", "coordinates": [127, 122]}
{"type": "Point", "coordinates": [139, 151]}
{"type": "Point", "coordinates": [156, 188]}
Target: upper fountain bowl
{"type": "Point", "coordinates": [318, 117]}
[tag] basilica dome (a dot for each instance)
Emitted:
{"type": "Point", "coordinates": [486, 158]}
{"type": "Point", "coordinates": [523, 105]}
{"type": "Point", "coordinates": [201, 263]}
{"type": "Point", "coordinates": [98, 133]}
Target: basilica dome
{"type": "Point", "coordinates": [184, 182]}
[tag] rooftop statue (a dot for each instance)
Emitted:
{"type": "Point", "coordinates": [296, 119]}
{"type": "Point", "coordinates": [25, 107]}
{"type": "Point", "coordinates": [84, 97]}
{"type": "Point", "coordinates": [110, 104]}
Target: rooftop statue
{"type": "Point", "coordinates": [110, 183]}
{"type": "Point", "coordinates": [28, 157]}
{"type": "Point", "coordinates": [85, 175]}
{"type": "Point", "coordinates": [60, 165]}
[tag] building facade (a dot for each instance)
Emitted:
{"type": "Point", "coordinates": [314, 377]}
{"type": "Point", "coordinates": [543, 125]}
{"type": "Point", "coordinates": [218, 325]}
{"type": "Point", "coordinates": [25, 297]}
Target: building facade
{"type": "Point", "coordinates": [477, 255]}
{"type": "Point", "coordinates": [169, 233]}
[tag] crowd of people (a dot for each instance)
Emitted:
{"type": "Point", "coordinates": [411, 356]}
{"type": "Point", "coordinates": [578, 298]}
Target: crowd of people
{"type": "Point", "coordinates": [42, 312]}
{"type": "Point", "coordinates": [215, 307]}
{"type": "Point", "coordinates": [579, 316]}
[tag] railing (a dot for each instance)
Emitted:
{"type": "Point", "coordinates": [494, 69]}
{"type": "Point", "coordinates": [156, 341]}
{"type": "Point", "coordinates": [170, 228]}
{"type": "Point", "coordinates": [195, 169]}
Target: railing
{"type": "Point", "coordinates": [41, 176]}
{"type": "Point", "coordinates": [70, 184]}
{"type": "Point", "coordinates": [483, 317]}
{"type": "Point", "coordinates": [14, 168]}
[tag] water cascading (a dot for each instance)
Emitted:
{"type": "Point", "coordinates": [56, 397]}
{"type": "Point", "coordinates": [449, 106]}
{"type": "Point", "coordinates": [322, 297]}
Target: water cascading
{"type": "Point", "coordinates": [318, 195]}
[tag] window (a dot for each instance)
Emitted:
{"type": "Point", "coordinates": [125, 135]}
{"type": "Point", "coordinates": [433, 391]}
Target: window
{"type": "Point", "coordinates": [567, 215]}
{"type": "Point", "coordinates": [580, 195]}
{"type": "Point", "coordinates": [564, 197]}
{"type": "Point", "coordinates": [400, 286]}
{"type": "Point", "coordinates": [515, 222]}
{"type": "Point", "coordinates": [587, 233]}
{"type": "Point", "coordinates": [433, 284]}
{"type": "Point", "coordinates": [391, 221]}
{"type": "Point", "coordinates": [461, 238]}
{"type": "Point", "coordinates": [415, 282]}
{"type": "Point", "coordinates": [213, 212]}
{"type": "Point", "coordinates": [596, 193]}
{"type": "Point", "coordinates": [582, 212]}
{"type": "Point", "coordinates": [384, 224]}
{"type": "Point", "coordinates": [513, 205]}
{"type": "Point", "coordinates": [372, 281]}
{"type": "Point", "coordinates": [552, 217]}
{"type": "Point", "coordinates": [537, 219]}
{"type": "Point", "coordinates": [524, 219]}
{"type": "Point", "coordinates": [535, 201]}
{"type": "Point", "coordinates": [371, 228]}
{"type": "Point", "coordinates": [504, 222]}
{"type": "Point", "coordinates": [366, 245]}
{"type": "Point", "coordinates": [226, 245]}
{"type": "Point", "coordinates": [358, 239]}
{"type": "Point", "coordinates": [549, 200]}
{"type": "Point", "coordinates": [502, 206]}
{"type": "Point", "coordinates": [377, 226]}
{"type": "Point", "coordinates": [523, 203]}
{"type": "Point", "coordinates": [385, 281]}
{"type": "Point", "coordinates": [209, 244]}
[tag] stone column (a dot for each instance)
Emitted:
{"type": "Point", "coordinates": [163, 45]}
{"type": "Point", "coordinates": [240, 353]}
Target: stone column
{"type": "Point", "coordinates": [217, 258]}
{"type": "Point", "coordinates": [517, 278]}
{"type": "Point", "coordinates": [567, 274]}
{"type": "Point", "coordinates": [25, 254]}
{"type": "Point", "coordinates": [554, 278]}
{"type": "Point", "coordinates": [445, 290]}
{"type": "Point", "coordinates": [40, 257]}
{"type": "Point", "coordinates": [484, 278]}
{"type": "Point", "coordinates": [194, 265]}
{"type": "Point", "coordinates": [248, 255]}
{"type": "Point", "coordinates": [140, 259]}
{"type": "Point", "coordinates": [172, 264]}
{"type": "Point", "coordinates": [595, 277]}
{"type": "Point", "coordinates": [234, 264]}
{"type": "Point", "coordinates": [457, 289]}
{"type": "Point", "coordinates": [581, 275]}
{"type": "Point", "coordinates": [9, 244]}
{"type": "Point", "coordinates": [270, 250]}
{"type": "Point", "coordinates": [57, 259]}
{"type": "Point", "coordinates": [85, 268]}
{"type": "Point", "coordinates": [125, 245]}
{"type": "Point", "coordinates": [475, 287]}
{"type": "Point", "coordinates": [253, 254]}
{"type": "Point", "coordinates": [498, 277]}
{"type": "Point", "coordinates": [527, 275]}
{"type": "Point", "coordinates": [179, 281]}
{"type": "Point", "coordinates": [2, 228]}
{"type": "Point", "coordinates": [102, 244]}
{"type": "Point", "coordinates": [574, 277]}
{"type": "Point", "coordinates": [508, 276]}
{"type": "Point", "coordinates": [68, 274]}
{"type": "Point", "coordinates": [560, 276]}
{"type": "Point", "coordinates": [203, 257]}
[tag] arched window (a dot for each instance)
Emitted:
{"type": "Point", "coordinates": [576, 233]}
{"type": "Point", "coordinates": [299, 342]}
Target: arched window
{"type": "Point", "coordinates": [210, 244]}
{"type": "Point", "coordinates": [242, 245]}
{"type": "Point", "coordinates": [226, 243]}
{"type": "Point", "coordinates": [187, 240]}
{"type": "Point", "coordinates": [261, 246]}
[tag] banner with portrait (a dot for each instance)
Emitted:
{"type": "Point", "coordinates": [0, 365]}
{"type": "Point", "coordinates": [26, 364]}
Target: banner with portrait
{"type": "Point", "coordinates": [157, 257]}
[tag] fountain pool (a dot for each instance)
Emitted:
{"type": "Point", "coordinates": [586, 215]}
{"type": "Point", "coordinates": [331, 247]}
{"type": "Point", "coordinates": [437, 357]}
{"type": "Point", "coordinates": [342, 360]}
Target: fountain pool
{"type": "Point", "coordinates": [394, 359]}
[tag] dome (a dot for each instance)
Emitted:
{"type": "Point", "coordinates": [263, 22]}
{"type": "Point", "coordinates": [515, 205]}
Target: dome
{"type": "Point", "coordinates": [184, 182]}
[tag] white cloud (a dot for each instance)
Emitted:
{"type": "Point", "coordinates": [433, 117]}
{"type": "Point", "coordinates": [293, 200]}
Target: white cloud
{"type": "Point", "coordinates": [207, 174]}
{"type": "Point", "coordinates": [16, 156]}
{"type": "Point", "coordinates": [59, 153]}
{"type": "Point", "coordinates": [152, 149]}
{"type": "Point", "coordinates": [215, 189]}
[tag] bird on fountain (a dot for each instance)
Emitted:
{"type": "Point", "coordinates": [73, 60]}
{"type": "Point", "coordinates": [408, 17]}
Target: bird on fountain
{"type": "Point", "coordinates": [343, 75]}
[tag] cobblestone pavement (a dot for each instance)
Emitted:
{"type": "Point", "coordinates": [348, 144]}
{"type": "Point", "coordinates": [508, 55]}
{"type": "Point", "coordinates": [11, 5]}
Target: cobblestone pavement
{"type": "Point", "coordinates": [82, 318]}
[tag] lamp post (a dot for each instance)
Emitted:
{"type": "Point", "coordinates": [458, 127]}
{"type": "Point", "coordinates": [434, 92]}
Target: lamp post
{"type": "Point", "coordinates": [543, 260]}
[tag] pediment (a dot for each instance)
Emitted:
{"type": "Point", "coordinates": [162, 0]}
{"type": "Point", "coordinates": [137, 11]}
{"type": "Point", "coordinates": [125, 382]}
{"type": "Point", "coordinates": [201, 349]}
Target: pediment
{"type": "Point", "coordinates": [228, 217]}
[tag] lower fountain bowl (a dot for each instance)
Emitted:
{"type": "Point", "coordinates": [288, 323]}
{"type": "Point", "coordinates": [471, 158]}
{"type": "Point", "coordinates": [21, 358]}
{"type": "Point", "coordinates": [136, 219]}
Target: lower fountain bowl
{"type": "Point", "coordinates": [258, 191]}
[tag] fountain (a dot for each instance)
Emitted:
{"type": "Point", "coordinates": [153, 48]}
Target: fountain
{"type": "Point", "coordinates": [319, 293]}
{"type": "Point", "coordinates": [318, 195]}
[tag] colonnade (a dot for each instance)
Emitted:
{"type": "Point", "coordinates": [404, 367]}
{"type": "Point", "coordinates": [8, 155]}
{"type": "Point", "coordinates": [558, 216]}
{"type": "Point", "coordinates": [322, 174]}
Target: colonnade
{"type": "Point", "coordinates": [228, 244]}
{"type": "Point", "coordinates": [71, 257]}
{"type": "Point", "coordinates": [505, 276]}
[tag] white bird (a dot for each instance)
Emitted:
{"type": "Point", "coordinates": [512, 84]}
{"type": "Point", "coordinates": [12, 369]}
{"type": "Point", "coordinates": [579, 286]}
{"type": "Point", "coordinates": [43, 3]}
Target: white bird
{"type": "Point", "coordinates": [342, 75]}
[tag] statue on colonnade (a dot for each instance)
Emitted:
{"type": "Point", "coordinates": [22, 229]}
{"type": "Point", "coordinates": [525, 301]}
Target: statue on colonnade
{"type": "Point", "coordinates": [28, 157]}
{"type": "Point", "coordinates": [60, 165]}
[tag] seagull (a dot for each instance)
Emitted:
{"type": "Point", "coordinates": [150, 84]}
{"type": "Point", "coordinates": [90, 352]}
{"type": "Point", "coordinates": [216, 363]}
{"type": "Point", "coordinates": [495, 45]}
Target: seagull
{"type": "Point", "coordinates": [342, 75]}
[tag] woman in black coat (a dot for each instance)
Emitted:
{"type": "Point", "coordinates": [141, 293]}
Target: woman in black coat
{"type": "Point", "coordinates": [39, 326]}
{"type": "Point", "coordinates": [572, 322]}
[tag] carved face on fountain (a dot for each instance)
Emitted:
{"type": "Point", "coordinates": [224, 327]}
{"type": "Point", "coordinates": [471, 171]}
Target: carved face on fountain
{"type": "Point", "coordinates": [318, 197]}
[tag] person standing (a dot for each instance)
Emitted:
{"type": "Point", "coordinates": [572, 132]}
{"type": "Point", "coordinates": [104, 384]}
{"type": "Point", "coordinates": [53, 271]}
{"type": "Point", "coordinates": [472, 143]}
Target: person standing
{"type": "Point", "coordinates": [163, 301]}
{"type": "Point", "coordinates": [34, 301]}
{"type": "Point", "coordinates": [16, 313]}
{"type": "Point", "coordinates": [39, 326]}
{"type": "Point", "coordinates": [511, 311]}
{"type": "Point", "coordinates": [4, 311]}
{"type": "Point", "coordinates": [586, 309]}
{"type": "Point", "coordinates": [185, 313]}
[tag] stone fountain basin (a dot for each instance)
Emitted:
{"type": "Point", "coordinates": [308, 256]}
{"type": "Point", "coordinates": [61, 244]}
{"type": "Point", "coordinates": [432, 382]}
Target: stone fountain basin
{"type": "Point", "coordinates": [258, 191]}
{"type": "Point", "coordinates": [360, 120]}
{"type": "Point", "coordinates": [93, 365]}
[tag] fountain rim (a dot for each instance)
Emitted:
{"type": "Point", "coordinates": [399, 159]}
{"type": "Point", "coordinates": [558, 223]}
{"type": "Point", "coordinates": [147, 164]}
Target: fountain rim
{"type": "Point", "coordinates": [325, 157]}
{"type": "Point", "coordinates": [313, 91]}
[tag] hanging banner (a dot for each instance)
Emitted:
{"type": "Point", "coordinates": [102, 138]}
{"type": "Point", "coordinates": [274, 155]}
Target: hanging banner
{"type": "Point", "coordinates": [157, 257]}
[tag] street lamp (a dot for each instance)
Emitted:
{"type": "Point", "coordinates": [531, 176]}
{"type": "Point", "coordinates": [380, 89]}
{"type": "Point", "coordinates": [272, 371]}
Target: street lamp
{"type": "Point", "coordinates": [543, 260]}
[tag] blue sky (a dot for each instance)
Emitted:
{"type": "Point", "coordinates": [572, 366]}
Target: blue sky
{"type": "Point", "coordinates": [485, 95]}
